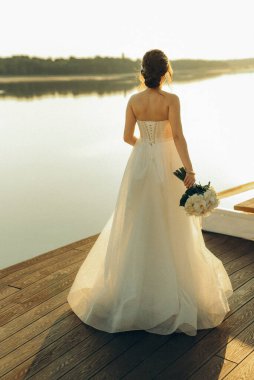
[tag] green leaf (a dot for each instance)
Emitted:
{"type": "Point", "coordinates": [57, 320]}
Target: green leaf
{"type": "Point", "coordinates": [180, 173]}
{"type": "Point", "coordinates": [183, 199]}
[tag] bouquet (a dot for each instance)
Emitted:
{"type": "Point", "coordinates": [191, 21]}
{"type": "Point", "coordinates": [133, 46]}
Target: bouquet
{"type": "Point", "coordinates": [197, 200]}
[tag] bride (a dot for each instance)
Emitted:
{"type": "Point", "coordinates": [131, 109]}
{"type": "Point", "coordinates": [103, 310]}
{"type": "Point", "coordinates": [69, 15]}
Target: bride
{"type": "Point", "coordinates": [149, 268]}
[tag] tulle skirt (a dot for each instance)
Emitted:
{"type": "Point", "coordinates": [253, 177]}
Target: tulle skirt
{"type": "Point", "coordinates": [149, 268]}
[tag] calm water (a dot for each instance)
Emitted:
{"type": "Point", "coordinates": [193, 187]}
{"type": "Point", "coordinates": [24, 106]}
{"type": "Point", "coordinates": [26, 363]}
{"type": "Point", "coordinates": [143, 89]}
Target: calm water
{"type": "Point", "coordinates": [62, 156]}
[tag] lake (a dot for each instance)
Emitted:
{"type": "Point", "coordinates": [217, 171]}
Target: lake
{"type": "Point", "coordinates": [63, 156]}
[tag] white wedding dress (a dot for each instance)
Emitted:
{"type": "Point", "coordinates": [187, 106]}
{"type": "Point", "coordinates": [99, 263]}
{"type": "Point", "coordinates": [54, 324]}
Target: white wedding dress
{"type": "Point", "coordinates": [149, 268]}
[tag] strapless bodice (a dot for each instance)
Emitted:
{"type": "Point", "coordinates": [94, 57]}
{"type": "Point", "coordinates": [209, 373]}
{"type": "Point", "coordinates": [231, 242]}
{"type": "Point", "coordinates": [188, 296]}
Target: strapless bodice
{"type": "Point", "coordinates": [152, 131]}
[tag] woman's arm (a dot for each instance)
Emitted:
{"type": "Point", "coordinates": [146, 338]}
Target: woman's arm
{"type": "Point", "coordinates": [130, 121]}
{"type": "Point", "coordinates": [174, 117]}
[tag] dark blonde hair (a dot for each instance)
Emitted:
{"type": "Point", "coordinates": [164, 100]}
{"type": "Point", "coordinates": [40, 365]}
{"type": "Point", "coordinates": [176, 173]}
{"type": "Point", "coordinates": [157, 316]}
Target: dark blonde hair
{"type": "Point", "coordinates": [154, 65]}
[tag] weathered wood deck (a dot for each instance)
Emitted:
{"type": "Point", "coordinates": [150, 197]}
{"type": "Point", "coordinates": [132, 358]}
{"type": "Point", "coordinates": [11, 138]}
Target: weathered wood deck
{"type": "Point", "coordinates": [41, 338]}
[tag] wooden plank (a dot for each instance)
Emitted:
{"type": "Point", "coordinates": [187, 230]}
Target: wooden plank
{"type": "Point", "coordinates": [152, 346]}
{"type": "Point", "coordinates": [247, 206]}
{"type": "Point", "coordinates": [210, 344]}
{"type": "Point", "coordinates": [242, 275]}
{"type": "Point", "coordinates": [37, 346]}
{"type": "Point", "coordinates": [244, 370]}
{"type": "Point", "coordinates": [232, 252]}
{"type": "Point", "coordinates": [41, 283]}
{"type": "Point", "coordinates": [239, 263]}
{"type": "Point", "coordinates": [131, 357]}
{"type": "Point", "coordinates": [216, 368]}
{"type": "Point", "coordinates": [32, 299]}
{"type": "Point", "coordinates": [34, 328]}
{"type": "Point", "coordinates": [209, 235]}
{"type": "Point", "coordinates": [240, 347]}
{"type": "Point", "coordinates": [241, 296]}
{"type": "Point", "coordinates": [58, 354]}
{"type": "Point", "coordinates": [83, 361]}
{"type": "Point", "coordinates": [199, 350]}
{"type": "Point", "coordinates": [240, 250]}
{"type": "Point", "coordinates": [31, 270]}
{"type": "Point", "coordinates": [67, 258]}
{"type": "Point", "coordinates": [220, 248]}
{"type": "Point", "coordinates": [43, 280]}
{"type": "Point", "coordinates": [175, 347]}
{"type": "Point", "coordinates": [32, 315]}
{"type": "Point", "coordinates": [7, 290]}
{"type": "Point", "coordinates": [43, 256]}
{"type": "Point", "coordinates": [220, 241]}
{"type": "Point", "coordinates": [235, 190]}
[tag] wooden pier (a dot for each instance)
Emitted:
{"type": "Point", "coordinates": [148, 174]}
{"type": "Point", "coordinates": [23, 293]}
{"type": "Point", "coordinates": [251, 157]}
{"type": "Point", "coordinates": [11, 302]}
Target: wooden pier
{"type": "Point", "coordinates": [41, 338]}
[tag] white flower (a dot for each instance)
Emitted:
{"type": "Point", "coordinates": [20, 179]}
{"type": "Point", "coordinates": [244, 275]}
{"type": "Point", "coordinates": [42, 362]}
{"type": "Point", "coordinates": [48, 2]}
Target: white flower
{"type": "Point", "coordinates": [207, 194]}
{"type": "Point", "coordinates": [195, 205]}
{"type": "Point", "coordinates": [202, 204]}
{"type": "Point", "coordinates": [211, 198]}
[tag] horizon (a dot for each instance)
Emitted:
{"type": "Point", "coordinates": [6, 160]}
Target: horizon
{"type": "Point", "coordinates": [125, 57]}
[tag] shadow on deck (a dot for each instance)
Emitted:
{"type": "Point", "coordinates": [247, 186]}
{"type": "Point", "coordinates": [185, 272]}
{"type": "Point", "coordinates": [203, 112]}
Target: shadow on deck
{"type": "Point", "coordinates": [41, 338]}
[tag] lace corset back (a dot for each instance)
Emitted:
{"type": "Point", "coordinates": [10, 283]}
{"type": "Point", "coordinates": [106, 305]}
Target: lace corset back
{"type": "Point", "coordinates": [152, 131]}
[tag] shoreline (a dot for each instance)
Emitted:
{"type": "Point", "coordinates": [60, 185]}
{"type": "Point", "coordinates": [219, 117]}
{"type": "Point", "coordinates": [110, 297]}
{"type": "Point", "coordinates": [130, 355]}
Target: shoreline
{"type": "Point", "coordinates": [179, 75]}
{"type": "Point", "coordinates": [60, 78]}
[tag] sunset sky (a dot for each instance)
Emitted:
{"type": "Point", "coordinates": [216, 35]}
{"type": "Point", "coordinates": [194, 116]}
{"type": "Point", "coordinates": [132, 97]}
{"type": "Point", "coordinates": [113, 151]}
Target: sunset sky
{"type": "Point", "coordinates": [218, 29]}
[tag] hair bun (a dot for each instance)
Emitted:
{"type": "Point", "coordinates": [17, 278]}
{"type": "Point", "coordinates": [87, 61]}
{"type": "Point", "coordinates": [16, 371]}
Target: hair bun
{"type": "Point", "coordinates": [152, 80]}
{"type": "Point", "coordinates": [154, 65]}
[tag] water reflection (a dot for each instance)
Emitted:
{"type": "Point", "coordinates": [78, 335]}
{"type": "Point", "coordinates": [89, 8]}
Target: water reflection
{"type": "Point", "coordinates": [66, 86]}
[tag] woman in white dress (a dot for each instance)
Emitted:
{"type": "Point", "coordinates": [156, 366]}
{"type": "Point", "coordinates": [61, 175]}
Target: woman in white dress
{"type": "Point", "coordinates": [149, 268]}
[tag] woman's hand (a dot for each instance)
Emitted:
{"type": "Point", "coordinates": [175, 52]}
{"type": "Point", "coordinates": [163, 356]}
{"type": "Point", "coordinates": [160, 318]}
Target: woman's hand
{"type": "Point", "coordinates": [189, 180]}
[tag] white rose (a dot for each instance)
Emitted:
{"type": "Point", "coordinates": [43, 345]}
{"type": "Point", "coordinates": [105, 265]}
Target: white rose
{"type": "Point", "coordinates": [207, 194]}
{"type": "Point", "coordinates": [196, 205]}
{"type": "Point", "coordinates": [189, 205]}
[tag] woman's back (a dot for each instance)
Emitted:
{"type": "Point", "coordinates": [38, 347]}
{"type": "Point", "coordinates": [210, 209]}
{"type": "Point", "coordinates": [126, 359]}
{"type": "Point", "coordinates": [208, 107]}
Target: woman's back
{"type": "Point", "coordinates": [151, 104]}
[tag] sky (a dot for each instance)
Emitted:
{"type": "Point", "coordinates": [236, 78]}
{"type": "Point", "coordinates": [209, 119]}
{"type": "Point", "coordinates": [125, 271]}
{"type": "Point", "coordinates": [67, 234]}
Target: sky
{"type": "Point", "coordinates": [218, 29]}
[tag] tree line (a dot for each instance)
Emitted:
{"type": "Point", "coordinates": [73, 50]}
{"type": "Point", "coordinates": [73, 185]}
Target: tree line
{"type": "Point", "coordinates": [25, 65]}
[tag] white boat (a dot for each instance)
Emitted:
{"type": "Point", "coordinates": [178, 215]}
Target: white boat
{"type": "Point", "coordinates": [229, 218]}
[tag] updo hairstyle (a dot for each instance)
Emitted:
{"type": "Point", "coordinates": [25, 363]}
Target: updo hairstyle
{"type": "Point", "coordinates": [154, 65]}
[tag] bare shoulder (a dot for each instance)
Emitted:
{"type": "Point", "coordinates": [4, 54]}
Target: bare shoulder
{"type": "Point", "coordinates": [172, 98]}
{"type": "Point", "coordinates": [134, 98]}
